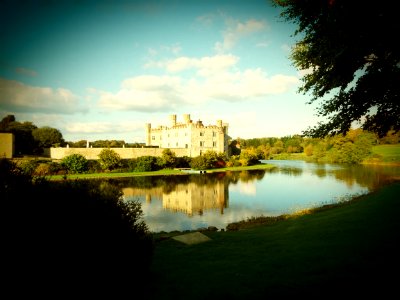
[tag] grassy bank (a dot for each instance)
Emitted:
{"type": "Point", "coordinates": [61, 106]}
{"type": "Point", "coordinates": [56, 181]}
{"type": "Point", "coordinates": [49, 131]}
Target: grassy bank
{"type": "Point", "coordinates": [153, 173]}
{"type": "Point", "coordinates": [384, 154]}
{"type": "Point", "coordinates": [347, 250]}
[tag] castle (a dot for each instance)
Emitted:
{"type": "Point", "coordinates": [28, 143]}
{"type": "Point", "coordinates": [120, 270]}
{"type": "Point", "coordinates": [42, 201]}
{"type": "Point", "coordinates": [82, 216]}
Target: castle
{"type": "Point", "coordinates": [184, 139]}
{"type": "Point", "coordinates": [195, 137]}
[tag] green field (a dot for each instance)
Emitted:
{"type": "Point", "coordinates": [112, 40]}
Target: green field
{"type": "Point", "coordinates": [153, 173]}
{"type": "Point", "coordinates": [387, 153]}
{"type": "Point", "coordinates": [349, 250]}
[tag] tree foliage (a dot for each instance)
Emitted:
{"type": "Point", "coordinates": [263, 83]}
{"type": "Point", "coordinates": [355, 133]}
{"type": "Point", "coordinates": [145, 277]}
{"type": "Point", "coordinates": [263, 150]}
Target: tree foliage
{"type": "Point", "coordinates": [146, 163]}
{"type": "Point", "coordinates": [81, 235]}
{"type": "Point", "coordinates": [47, 137]}
{"type": "Point", "coordinates": [208, 160]}
{"type": "Point", "coordinates": [109, 159]}
{"type": "Point", "coordinates": [75, 163]}
{"type": "Point", "coordinates": [352, 57]}
{"type": "Point", "coordinates": [168, 159]}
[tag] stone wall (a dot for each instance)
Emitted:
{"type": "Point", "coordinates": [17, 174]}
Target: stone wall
{"type": "Point", "coordinates": [125, 153]}
{"type": "Point", "coordinates": [6, 145]}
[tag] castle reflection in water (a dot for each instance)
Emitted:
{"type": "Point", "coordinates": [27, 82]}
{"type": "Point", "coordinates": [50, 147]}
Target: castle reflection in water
{"type": "Point", "coordinates": [190, 198]}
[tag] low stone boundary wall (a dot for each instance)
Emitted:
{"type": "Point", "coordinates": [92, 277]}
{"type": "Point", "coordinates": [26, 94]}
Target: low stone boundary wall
{"type": "Point", "coordinates": [124, 153]}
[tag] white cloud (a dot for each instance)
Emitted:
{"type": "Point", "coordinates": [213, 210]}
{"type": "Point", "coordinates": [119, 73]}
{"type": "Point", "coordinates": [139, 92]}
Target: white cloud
{"type": "Point", "coordinates": [236, 30]}
{"type": "Point", "coordinates": [215, 78]}
{"type": "Point", "coordinates": [16, 96]}
{"type": "Point", "coordinates": [205, 66]}
{"type": "Point", "coordinates": [247, 85]}
{"type": "Point", "coordinates": [144, 93]}
{"type": "Point", "coordinates": [103, 127]}
{"type": "Point", "coordinates": [206, 19]}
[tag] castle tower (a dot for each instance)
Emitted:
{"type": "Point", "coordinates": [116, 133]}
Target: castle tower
{"type": "Point", "coordinates": [148, 134]}
{"type": "Point", "coordinates": [172, 119]}
{"type": "Point", "coordinates": [186, 119]}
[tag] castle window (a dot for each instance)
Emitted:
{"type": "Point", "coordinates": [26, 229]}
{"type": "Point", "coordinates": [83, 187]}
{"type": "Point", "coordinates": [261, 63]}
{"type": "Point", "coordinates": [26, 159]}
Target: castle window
{"type": "Point", "coordinates": [201, 144]}
{"type": "Point", "coordinates": [214, 144]}
{"type": "Point", "coordinates": [186, 146]}
{"type": "Point", "coordinates": [153, 138]}
{"type": "Point", "coordinates": [201, 133]}
{"type": "Point", "coordinates": [177, 144]}
{"type": "Point", "coordinates": [214, 134]}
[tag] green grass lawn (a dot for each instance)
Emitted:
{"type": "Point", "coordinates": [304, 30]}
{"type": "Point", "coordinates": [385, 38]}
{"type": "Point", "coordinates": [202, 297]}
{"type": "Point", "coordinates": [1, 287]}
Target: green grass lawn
{"type": "Point", "coordinates": [153, 173]}
{"type": "Point", "coordinates": [344, 251]}
{"type": "Point", "coordinates": [387, 153]}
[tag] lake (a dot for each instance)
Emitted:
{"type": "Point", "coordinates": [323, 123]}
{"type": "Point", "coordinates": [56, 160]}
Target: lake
{"type": "Point", "coordinates": [193, 201]}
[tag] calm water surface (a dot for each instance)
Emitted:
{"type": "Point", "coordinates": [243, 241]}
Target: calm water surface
{"type": "Point", "coordinates": [193, 201]}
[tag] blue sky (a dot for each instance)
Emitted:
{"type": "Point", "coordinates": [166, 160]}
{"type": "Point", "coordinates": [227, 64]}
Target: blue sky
{"type": "Point", "coordinates": [102, 69]}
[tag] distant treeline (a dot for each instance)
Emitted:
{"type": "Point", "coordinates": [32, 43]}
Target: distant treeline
{"type": "Point", "coordinates": [353, 147]}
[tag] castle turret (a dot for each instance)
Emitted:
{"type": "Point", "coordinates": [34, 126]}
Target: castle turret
{"type": "Point", "coordinates": [172, 119]}
{"type": "Point", "coordinates": [148, 134]}
{"type": "Point", "coordinates": [186, 119]}
{"type": "Point", "coordinates": [219, 123]}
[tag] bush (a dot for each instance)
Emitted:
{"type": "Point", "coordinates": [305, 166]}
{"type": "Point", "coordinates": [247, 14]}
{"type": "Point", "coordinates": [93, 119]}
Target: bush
{"type": "Point", "coordinates": [75, 163]}
{"type": "Point", "coordinates": [183, 162]}
{"type": "Point", "coordinates": [109, 159]}
{"type": "Point", "coordinates": [42, 169]}
{"type": "Point", "coordinates": [208, 160]}
{"type": "Point", "coordinates": [79, 234]}
{"type": "Point", "coordinates": [28, 166]}
{"type": "Point", "coordinates": [94, 166]}
{"type": "Point", "coordinates": [146, 164]}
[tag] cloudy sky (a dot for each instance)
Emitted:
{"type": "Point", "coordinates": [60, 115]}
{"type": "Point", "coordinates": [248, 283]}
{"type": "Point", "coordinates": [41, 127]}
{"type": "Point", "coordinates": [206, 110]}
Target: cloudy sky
{"type": "Point", "coordinates": [102, 69]}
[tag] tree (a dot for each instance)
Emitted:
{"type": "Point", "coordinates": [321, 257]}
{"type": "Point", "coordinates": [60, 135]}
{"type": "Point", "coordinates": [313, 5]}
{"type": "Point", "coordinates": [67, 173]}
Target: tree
{"type": "Point", "coordinates": [82, 235]}
{"type": "Point", "coordinates": [168, 158]}
{"type": "Point", "coordinates": [6, 121]}
{"type": "Point", "coordinates": [47, 137]}
{"type": "Point", "coordinates": [353, 61]}
{"type": "Point", "coordinates": [24, 141]}
{"type": "Point", "coordinates": [75, 163]}
{"type": "Point", "coordinates": [109, 159]}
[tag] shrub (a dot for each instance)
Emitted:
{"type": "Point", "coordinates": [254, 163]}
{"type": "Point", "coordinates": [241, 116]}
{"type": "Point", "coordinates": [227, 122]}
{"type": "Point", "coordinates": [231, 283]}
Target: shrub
{"type": "Point", "coordinates": [183, 162]}
{"type": "Point", "coordinates": [208, 160]}
{"type": "Point", "coordinates": [94, 166]}
{"type": "Point", "coordinates": [75, 163]}
{"type": "Point", "coordinates": [167, 159]}
{"type": "Point", "coordinates": [146, 164]}
{"type": "Point", "coordinates": [109, 159]}
{"type": "Point", "coordinates": [79, 234]}
{"type": "Point", "coordinates": [28, 166]}
{"type": "Point", "coordinates": [42, 169]}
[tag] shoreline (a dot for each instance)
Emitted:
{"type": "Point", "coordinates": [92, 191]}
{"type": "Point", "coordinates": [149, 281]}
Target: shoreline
{"type": "Point", "coordinates": [165, 172]}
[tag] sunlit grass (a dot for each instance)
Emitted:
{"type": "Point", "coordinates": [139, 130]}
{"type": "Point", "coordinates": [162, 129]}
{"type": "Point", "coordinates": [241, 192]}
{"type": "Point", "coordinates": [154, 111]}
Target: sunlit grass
{"type": "Point", "coordinates": [152, 173]}
{"type": "Point", "coordinates": [387, 152]}
{"type": "Point", "coordinates": [115, 175]}
{"type": "Point", "coordinates": [344, 249]}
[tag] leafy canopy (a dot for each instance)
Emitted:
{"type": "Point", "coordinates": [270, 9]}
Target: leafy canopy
{"type": "Point", "coordinates": [352, 58]}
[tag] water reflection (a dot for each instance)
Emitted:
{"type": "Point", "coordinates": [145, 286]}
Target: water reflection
{"type": "Point", "coordinates": [190, 198]}
{"type": "Point", "coordinates": [192, 201]}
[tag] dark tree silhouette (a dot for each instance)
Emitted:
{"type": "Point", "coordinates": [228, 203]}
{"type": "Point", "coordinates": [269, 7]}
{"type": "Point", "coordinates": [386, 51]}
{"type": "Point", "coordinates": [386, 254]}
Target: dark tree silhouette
{"type": "Point", "coordinates": [353, 57]}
